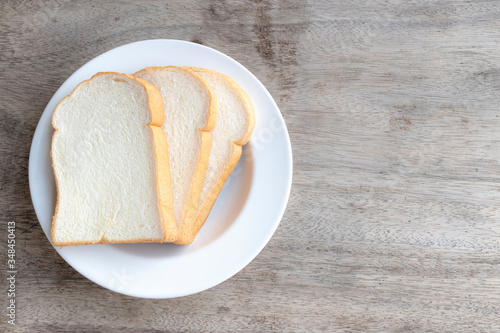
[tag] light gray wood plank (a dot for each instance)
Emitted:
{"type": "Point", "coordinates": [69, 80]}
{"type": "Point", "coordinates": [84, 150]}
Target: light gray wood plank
{"type": "Point", "coordinates": [393, 112]}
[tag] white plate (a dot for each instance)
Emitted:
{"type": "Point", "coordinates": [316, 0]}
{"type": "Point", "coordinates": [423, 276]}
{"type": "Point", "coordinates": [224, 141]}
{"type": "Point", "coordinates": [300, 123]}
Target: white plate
{"type": "Point", "coordinates": [243, 219]}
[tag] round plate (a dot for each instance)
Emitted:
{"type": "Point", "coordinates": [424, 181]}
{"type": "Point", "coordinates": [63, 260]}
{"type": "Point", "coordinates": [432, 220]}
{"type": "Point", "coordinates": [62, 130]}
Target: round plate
{"type": "Point", "coordinates": [245, 216]}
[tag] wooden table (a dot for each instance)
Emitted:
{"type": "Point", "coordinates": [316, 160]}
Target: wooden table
{"type": "Point", "coordinates": [393, 109]}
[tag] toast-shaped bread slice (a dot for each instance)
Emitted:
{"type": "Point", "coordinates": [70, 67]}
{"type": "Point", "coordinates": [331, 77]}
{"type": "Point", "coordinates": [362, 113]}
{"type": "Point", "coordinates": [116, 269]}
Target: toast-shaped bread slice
{"type": "Point", "coordinates": [235, 125]}
{"type": "Point", "coordinates": [110, 159]}
{"type": "Point", "coordinates": [190, 115]}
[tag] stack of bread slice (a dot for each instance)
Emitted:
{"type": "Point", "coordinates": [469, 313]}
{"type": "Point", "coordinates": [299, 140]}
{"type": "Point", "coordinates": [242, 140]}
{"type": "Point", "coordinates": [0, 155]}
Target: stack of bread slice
{"type": "Point", "coordinates": [143, 157]}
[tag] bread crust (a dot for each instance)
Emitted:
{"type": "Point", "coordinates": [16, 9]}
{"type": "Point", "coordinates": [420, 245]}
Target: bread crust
{"type": "Point", "coordinates": [207, 206]}
{"type": "Point", "coordinates": [190, 210]}
{"type": "Point", "coordinates": [164, 188]}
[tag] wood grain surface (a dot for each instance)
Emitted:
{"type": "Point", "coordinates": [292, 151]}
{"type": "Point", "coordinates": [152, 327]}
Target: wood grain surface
{"type": "Point", "coordinates": [393, 109]}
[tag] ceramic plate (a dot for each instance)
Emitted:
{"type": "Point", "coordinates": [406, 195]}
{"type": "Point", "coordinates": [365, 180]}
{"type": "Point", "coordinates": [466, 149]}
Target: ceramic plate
{"type": "Point", "coordinates": [244, 218]}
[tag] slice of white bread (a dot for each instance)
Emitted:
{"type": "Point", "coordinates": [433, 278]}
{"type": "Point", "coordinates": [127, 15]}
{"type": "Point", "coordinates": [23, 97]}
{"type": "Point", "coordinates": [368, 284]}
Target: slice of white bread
{"type": "Point", "coordinates": [190, 114]}
{"type": "Point", "coordinates": [235, 125]}
{"type": "Point", "coordinates": [111, 167]}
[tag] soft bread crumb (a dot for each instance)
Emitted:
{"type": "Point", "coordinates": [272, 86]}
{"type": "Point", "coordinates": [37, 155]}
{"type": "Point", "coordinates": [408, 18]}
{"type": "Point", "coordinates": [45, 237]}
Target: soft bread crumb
{"type": "Point", "coordinates": [104, 157]}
